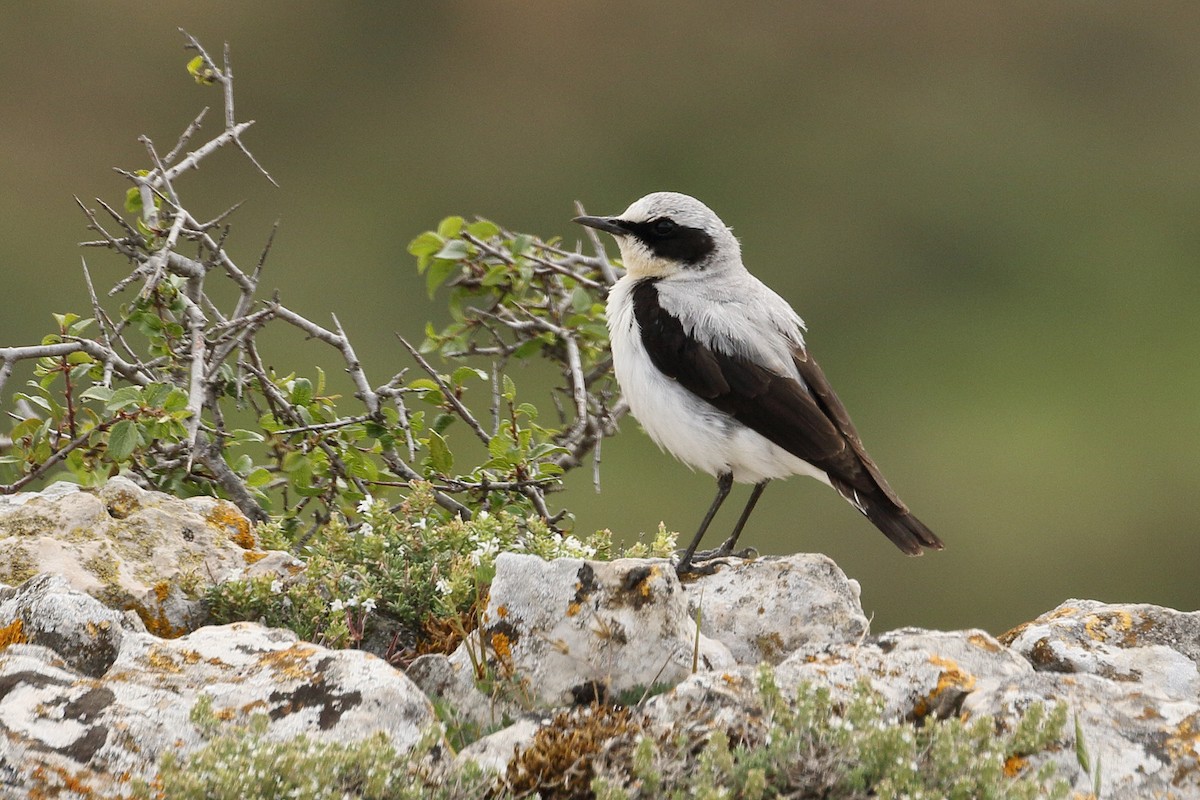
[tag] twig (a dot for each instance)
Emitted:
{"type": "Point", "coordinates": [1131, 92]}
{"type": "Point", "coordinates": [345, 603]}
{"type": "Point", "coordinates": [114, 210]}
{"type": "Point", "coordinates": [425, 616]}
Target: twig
{"type": "Point", "coordinates": [186, 136]}
{"type": "Point", "coordinates": [55, 458]}
{"type": "Point", "coordinates": [447, 393]}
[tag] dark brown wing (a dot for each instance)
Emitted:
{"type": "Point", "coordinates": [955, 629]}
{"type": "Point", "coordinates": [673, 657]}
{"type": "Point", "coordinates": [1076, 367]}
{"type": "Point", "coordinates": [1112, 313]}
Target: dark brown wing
{"type": "Point", "coordinates": [804, 418]}
{"type": "Point", "coordinates": [832, 406]}
{"type": "Point", "coordinates": [780, 408]}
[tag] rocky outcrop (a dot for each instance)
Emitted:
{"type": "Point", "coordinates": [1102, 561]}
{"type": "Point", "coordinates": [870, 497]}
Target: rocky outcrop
{"type": "Point", "coordinates": [1126, 673]}
{"type": "Point", "coordinates": [130, 548]}
{"type": "Point", "coordinates": [90, 702]}
{"type": "Point", "coordinates": [102, 671]}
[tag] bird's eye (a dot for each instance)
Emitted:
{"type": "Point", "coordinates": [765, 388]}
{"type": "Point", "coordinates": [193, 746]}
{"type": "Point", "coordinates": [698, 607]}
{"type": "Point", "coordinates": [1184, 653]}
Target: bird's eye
{"type": "Point", "coordinates": [664, 226]}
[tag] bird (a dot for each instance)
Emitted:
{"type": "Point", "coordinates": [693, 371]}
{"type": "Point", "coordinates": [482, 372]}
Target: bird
{"type": "Point", "coordinates": [713, 364]}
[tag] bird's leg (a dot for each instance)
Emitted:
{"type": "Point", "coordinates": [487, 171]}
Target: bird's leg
{"type": "Point", "coordinates": [727, 547]}
{"type": "Point", "coordinates": [724, 484]}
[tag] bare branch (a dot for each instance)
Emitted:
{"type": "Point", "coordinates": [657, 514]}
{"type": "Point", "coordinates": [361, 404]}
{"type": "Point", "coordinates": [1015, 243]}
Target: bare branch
{"type": "Point", "coordinates": [447, 392]}
{"type": "Point", "coordinates": [185, 137]}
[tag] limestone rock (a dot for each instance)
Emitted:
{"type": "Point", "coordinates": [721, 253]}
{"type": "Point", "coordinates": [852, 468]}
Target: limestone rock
{"type": "Point", "coordinates": [494, 751]}
{"type": "Point", "coordinates": [128, 547]}
{"type": "Point", "coordinates": [564, 631]}
{"type": "Point", "coordinates": [1140, 744]}
{"type": "Point", "coordinates": [765, 608]}
{"type": "Point", "coordinates": [84, 632]}
{"type": "Point", "coordinates": [1150, 646]}
{"type": "Point", "coordinates": [96, 732]}
{"type": "Point", "coordinates": [918, 673]}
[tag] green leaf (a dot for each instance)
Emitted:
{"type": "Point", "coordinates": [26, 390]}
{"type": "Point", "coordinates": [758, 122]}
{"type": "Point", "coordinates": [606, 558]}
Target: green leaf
{"type": "Point", "coordinates": [302, 392]}
{"type": "Point", "coordinates": [133, 200]}
{"type": "Point", "coordinates": [125, 397]}
{"type": "Point", "coordinates": [532, 347]}
{"type": "Point", "coordinates": [496, 275]}
{"type": "Point", "coordinates": [122, 439]}
{"type": "Point", "coordinates": [101, 393]}
{"type": "Point", "coordinates": [426, 244]}
{"type": "Point", "coordinates": [258, 477]}
{"type": "Point", "coordinates": [450, 227]}
{"type": "Point", "coordinates": [455, 250]}
{"type": "Point", "coordinates": [202, 73]}
{"type": "Point", "coordinates": [499, 444]}
{"type": "Point", "coordinates": [440, 457]}
{"type": "Point", "coordinates": [483, 229]}
{"type": "Point", "coordinates": [437, 274]}
{"type": "Point", "coordinates": [177, 400]}
{"type": "Point", "coordinates": [520, 244]}
{"type": "Point", "coordinates": [462, 373]}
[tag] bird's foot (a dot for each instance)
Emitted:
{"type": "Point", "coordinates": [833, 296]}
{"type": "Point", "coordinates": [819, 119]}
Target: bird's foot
{"type": "Point", "coordinates": [706, 561]}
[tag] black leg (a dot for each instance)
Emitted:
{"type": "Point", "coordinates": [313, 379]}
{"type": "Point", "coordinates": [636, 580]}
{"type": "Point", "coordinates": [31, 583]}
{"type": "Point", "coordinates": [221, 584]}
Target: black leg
{"type": "Point", "coordinates": [724, 484]}
{"type": "Point", "coordinates": [727, 547]}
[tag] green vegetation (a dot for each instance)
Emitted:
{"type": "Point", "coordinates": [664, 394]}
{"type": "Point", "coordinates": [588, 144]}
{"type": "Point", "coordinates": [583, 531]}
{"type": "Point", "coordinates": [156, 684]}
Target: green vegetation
{"type": "Point", "coordinates": [240, 763]}
{"type": "Point", "coordinates": [816, 745]}
{"type": "Point", "coordinates": [811, 745]}
{"type": "Point", "coordinates": [413, 578]}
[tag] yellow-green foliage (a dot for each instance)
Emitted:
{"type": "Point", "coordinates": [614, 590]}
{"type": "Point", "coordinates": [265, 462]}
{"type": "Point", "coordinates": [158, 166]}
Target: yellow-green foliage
{"type": "Point", "coordinates": [815, 746]}
{"type": "Point", "coordinates": [239, 763]}
{"type": "Point", "coordinates": [407, 568]}
{"type": "Point", "coordinates": [808, 746]}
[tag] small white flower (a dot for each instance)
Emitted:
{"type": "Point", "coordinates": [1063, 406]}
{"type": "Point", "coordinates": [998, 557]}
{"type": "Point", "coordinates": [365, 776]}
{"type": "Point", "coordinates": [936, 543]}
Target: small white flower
{"type": "Point", "coordinates": [352, 602]}
{"type": "Point", "coordinates": [365, 504]}
{"type": "Point", "coordinates": [337, 605]}
{"type": "Point", "coordinates": [366, 529]}
{"type": "Point", "coordinates": [482, 515]}
{"type": "Point", "coordinates": [369, 604]}
{"type": "Point", "coordinates": [421, 523]}
{"type": "Point", "coordinates": [443, 586]}
{"type": "Point", "coordinates": [276, 586]}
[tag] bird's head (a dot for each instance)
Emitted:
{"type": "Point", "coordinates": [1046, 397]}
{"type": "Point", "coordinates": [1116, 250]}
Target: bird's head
{"type": "Point", "coordinates": [667, 233]}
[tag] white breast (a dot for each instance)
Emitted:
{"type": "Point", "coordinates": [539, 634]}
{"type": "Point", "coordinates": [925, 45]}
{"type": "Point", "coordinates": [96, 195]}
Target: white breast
{"type": "Point", "coordinates": [696, 433]}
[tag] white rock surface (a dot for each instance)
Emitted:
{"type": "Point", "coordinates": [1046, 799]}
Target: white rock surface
{"type": "Point", "coordinates": [1157, 648]}
{"type": "Point", "coordinates": [130, 548]}
{"type": "Point", "coordinates": [1141, 743]}
{"type": "Point", "coordinates": [100, 730]}
{"type": "Point", "coordinates": [45, 611]}
{"type": "Point", "coordinates": [765, 608]}
{"type": "Point", "coordinates": [571, 630]}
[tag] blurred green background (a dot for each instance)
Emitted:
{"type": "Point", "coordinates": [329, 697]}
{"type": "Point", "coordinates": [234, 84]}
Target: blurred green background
{"type": "Point", "coordinates": [988, 215]}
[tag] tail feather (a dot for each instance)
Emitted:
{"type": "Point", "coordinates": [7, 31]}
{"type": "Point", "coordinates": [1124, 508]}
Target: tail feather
{"type": "Point", "coordinates": [897, 522]}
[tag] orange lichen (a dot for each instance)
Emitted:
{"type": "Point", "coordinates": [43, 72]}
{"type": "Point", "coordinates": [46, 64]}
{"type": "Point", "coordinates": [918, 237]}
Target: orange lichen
{"type": "Point", "coordinates": [573, 609]}
{"type": "Point", "coordinates": [1183, 742]}
{"type": "Point", "coordinates": [502, 611]}
{"type": "Point", "coordinates": [162, 659]}
{"type": "Point", "coordinates": [253, 556]}
{"type": "Point", "coordinates": [156, 621]}
{"type": "Point", "coordinates": [13, 633]}
{"type": "Point", "coordinates": [984, 642]}
{"type": "Point", "coordinates": [162, 590]}
{"type": "Point", "coordinates": [292, 663]}
{"type": "Point", "coordinates": [951, 678]}
{"type": "Point", "coordinates": [226, 517]}
{"type": "Point", "coordinates": [1100, 626]}
{"type": "Point", "coordinates": [1014, 764]}
{"type": "Point", "coordinates": [254, 705]}
{"type": "Point", "coordinates": [501, 646]}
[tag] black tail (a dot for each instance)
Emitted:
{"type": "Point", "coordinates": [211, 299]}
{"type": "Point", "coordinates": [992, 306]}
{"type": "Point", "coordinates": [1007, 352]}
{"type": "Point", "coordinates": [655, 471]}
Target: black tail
{"type": "Point", "coordinates": [897, 522]}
